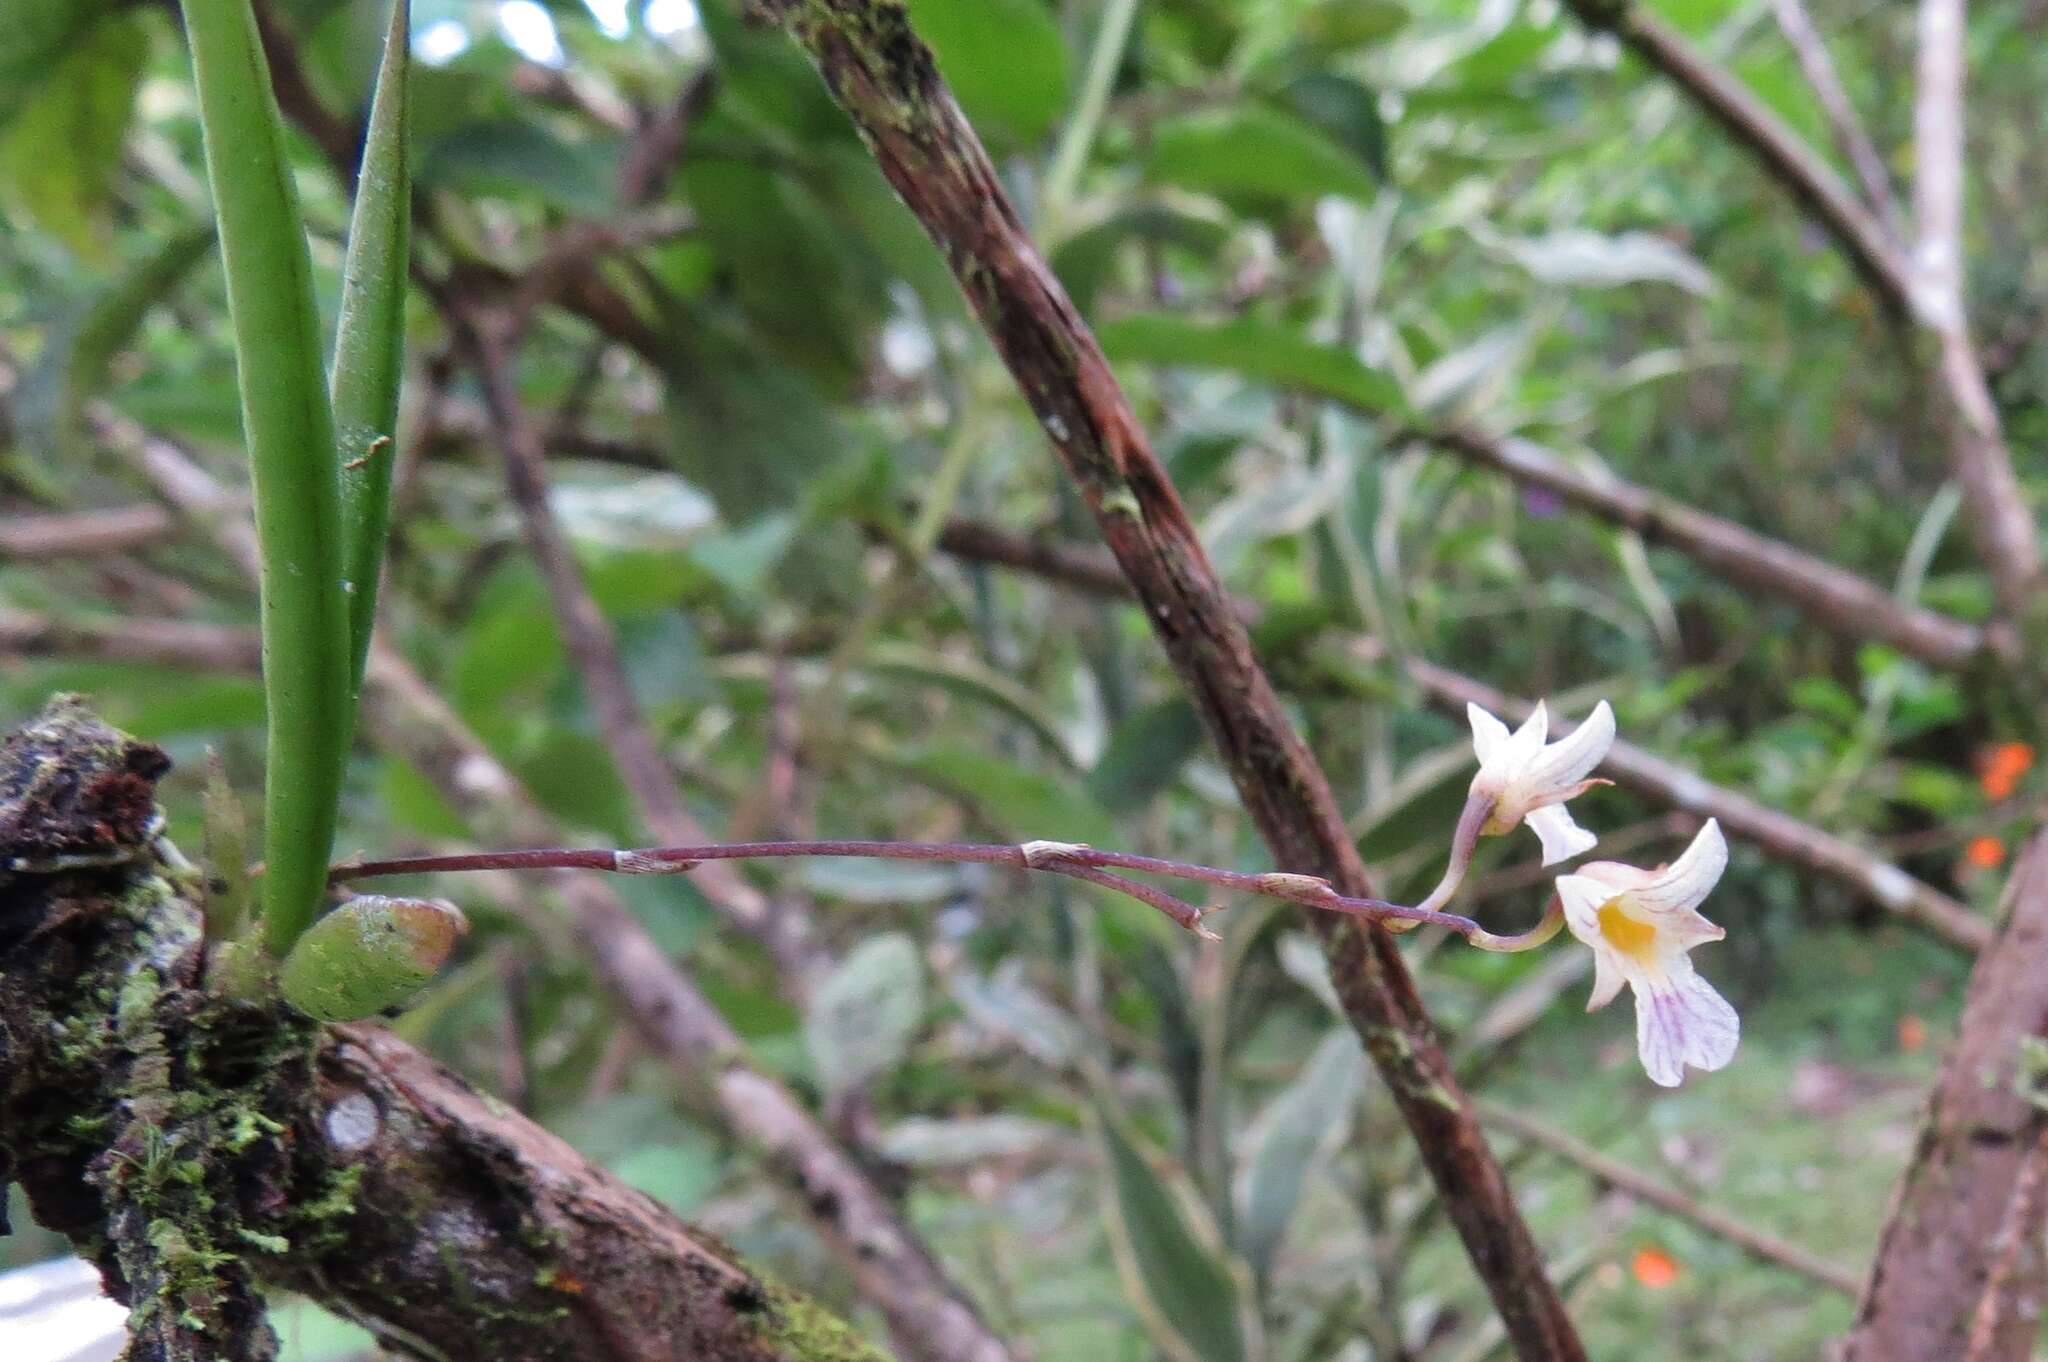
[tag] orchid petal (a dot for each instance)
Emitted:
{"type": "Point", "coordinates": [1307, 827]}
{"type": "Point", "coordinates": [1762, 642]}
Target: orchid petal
{"type": "Point", "coordinates": [1681, 1020]}
{"type": "Point", "coordinates": [1566, 761]}
{"type": "Point", "coordinates": [1489, 734]}
{"type": "Point", "coordinates": [1523, 745]}
{"type": "Point", "coordinates": [1687, 881]}
{"type": "Point", "coordinates": [1582, 897]}
{"type": "Point", "coordinates": [1608, 977]}
{"type": "Point", "coordinates": [1561, 837]}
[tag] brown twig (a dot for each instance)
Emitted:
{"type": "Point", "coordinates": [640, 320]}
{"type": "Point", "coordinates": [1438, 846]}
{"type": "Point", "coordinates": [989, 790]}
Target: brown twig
{"type": "Point", "coordinates": [1625, 1177]}
{"type": "Point", "coordinates": [1852, 138]}
{"type": "Point", "coordinates": [885, 78]}
{"type": "Point", "coordinates": [1999, 518]}
{"type": "Point", "coordinates": [1939, 1254]}
{"type": "Point", "coordinates": [82, 534]}
{"type": "Point", "coordinates": [1053, 858]}
{"type": "Point", "coordinates": [1837, 600]}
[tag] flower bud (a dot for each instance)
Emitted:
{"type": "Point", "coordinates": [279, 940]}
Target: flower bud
{"type": "Point", "coordinates": [371, 953]}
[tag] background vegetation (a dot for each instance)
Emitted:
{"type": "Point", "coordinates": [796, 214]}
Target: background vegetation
{"type": "Point", "coordinates": [1306, 230]}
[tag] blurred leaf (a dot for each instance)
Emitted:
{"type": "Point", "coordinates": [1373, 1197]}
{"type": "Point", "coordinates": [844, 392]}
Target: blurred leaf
{"type": "Point", "coordinates": [1291, 1136]}
{"type": "Point", "coordinates": [513, 157]}
{"type": "Point", "coordinates": [1182, 1287]}
{"type": "Point", "coordinates": [1302, 961]}
{"type": "Point", "coordinates": [1085, 260]}
{"type": "Point", "coordinates": [1007, 1003]}
{"type": "Point", "coordinates": [1340, 25]}
{"type": "Point", "coordinates": [79, 350]}
{"type": "Point", "coordinates": [1145, 753]}
{"type": "Point", "coordinates": [964, 1141]}
{"type": "Point", "coordinates": [1005, 59]}
{"type": "Point", "coordinates": [1255, 349]}
{"type": "Point", "coordinates": [863, 1015]}
{"type": "Point", "coordinates": [971, 681]}
{"type": "Point", "coordinates": [863, 881]}
{"type": "Point", "coordinates": [1017, 803]}
{"type": "Point", "coordinates": [1345, 110]}
{"type": "Point", "coordinates": [1580, 258]}
{"type": "Point", "coordinates": [1255, 150]}
{"type": "Point", "coordinates": [745, 427]}
{"type": "Point", "coordinates": [36, 37]}
{"type": "Point", "coordinates": [62, 147]}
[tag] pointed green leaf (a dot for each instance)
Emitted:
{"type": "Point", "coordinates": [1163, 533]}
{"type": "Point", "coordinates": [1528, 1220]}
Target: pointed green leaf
{"type": "Point", "coordinates": [1256, 349]}
{"type": "Point", "coordinates": [1145, 753]}
{"type": "Point", "coordinates": [369, 336]}
{"type": "Point", "coordinates": [863, 1016]}
{"type": "Point", "coordinates": [1255, 150]}
{"type": "Point", "coordinates": [1183, 1288]}
{"type": "Point", "coordinates": [1289, 1137]}
{"type": "Point", "coordinates": [289, 428]}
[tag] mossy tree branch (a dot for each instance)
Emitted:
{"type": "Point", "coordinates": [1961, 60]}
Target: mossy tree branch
{"type": "Point", "coordinates": [199, 1149]}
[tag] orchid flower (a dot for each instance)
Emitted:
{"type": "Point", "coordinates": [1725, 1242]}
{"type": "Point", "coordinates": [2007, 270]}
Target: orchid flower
{"type": "Point", "coordinates": [1529, 781]}
{"type": "Point", "coordinates": [1641, 924]}
{"type": "Point", "coordinates": [1523, 780]}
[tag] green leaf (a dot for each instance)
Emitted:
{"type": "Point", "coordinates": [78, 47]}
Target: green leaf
{"type": "Point", "coordinates": [1005, 59]}
{"type": "Point", "coordinates": [369, 336]}
{"type": "Point", "coordinates": [1293, 1134]}
{"type": "Point", "coordinates": [1183, 1288]}
{"type": "Point", "coordinates": [1085, 260]}
{"type": "Point", "coordinates": [1018, 803]}
{"type": "Point", "coordinates": [864, 1014]}
{"type": "Point", "coordinates": [1258, 151]}
{"type": "Point", "coordinates": [1144, 754]}
{"type": "Point", "coordinates": [80, 350]}
{"type": "Point", "coordinates": [1340, 25]}
{"type": "Point", "coordinates": [62, 147]}
{"type": "Point", "coordinates": [36, 36]}
{"type": "Point", "coordinates": [1345, 110]}
{"type": "Point", "coordinates": [1255, 349]}
{"type": "Point", "coordinates": [514, 158]}
{"type": "Point", "coordinates": [972, 681]}
{"type": "Point", "coordinates": [290, 432]}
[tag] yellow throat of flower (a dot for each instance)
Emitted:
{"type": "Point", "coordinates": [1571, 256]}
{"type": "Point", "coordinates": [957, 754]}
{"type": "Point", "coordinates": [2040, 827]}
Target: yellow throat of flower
{"type": "Point", "coordinates": [1631, 936]}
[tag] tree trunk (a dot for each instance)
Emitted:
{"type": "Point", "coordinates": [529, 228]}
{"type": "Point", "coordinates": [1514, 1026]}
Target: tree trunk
{"type": "Point", "coordinates": [1959, 1273]}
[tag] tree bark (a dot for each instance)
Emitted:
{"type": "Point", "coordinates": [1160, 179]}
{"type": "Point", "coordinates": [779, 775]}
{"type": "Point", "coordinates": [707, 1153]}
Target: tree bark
{"type": "Point", "coordinates": [198, 1148]}
{"type": "Point", "coordinates": [886, 80]}
{"type": "Point", "coordinates": [1959, 1275]}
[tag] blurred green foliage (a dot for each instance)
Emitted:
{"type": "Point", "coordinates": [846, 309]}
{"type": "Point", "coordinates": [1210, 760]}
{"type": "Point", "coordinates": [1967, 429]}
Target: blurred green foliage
{"type": "Point", "coordinates": [1466, 208]}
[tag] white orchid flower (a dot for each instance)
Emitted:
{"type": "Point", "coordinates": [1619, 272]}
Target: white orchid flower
{"type": "Point", "coordinates": [1641, 924]}
{"type": "Point", "coordinates": [1529, 781]}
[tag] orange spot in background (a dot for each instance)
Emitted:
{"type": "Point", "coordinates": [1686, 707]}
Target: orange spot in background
{"type": "Point", "coordinates": [1654, 1268]}
{"type": "Point", "coordinates": [1986, 853]}
{"type": "Point", "coordinates": [2001, 766]}
{"type": "Point", "coordinates": [1912, 1034]}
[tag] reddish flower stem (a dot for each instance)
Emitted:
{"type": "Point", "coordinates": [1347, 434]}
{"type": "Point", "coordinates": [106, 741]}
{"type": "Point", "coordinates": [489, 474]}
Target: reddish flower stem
{"type": "Point", "coordinates": [1056, 858]}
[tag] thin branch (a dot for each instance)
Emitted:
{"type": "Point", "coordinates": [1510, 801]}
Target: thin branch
{"type": "Point", "coordinates": [1938, 161]}
{"type": "Point", "coordinates": [1852, 138]}
{"type": "Point", "coordinates": [1776, 833]}
{"type": "Point", "coordinates": [1751, 122]}
{"type": "Point", "coordinates": [2000, 519]}
{"type": "Point", "coordinates": [1831, 597]}
{"type": "Point", "coordinates": [82, 534]}
{"type": "Point", "coordinates": [1627, 1178]}
{"type": "Point", "coordinates": [1053, 858]}
{"type": "Point", "coordinates": [887, 81]}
